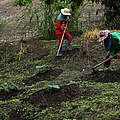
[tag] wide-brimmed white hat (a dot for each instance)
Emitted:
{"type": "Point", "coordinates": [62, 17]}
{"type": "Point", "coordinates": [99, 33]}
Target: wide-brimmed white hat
{"type": "Point", "coordinates": [65, 11]}
{"type": "Point", "coordinates": [103, 34]}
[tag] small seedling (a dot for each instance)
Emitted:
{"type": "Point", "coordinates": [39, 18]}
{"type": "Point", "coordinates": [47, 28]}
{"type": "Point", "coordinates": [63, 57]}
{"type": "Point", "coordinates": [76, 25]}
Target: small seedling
{"type": "Point", "coordinates": [8, 86]}
{"type": "Point", "coordinates": [22, 2]}
{"type": "Point", "coordinates": [1, 24]}
{"type": "Point", "coordinates": [104, 69]}
{"type": "Point", "coordinates": [52, 86]}
{"type": "Point", "coordinates": [76, 45]}
{"type": "Point", "coordinates": [43, 68]}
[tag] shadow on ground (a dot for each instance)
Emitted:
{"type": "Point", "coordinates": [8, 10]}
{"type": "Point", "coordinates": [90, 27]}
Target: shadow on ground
{"type": "Point", "coordinates": [49, 75]}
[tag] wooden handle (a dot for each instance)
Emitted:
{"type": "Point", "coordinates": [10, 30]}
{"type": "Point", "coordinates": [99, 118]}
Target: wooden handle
{"type": "Point", "coordinates": [62, 39]}
{"type": "Point", "coordinates": [103, 62]}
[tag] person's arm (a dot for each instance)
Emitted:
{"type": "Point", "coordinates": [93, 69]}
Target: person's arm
{"type": "Point", "coordinates": [59, 25]}
{"type": "Point", "coordinates": [111, 51]}
{"type": "Point", "coordinates": [118, 54]}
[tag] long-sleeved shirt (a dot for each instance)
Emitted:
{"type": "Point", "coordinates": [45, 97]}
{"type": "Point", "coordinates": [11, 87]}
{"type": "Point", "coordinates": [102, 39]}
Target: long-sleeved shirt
{"type": "Point", "coordinates": [115, 43]}
{"type": "Point", "coordinates": [61, 24]}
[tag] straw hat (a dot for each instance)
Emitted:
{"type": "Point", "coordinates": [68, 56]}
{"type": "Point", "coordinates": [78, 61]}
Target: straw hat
{"type": "Point", "coordinates": [103, 34]}
{"type": "Point", "coordinates": [65, 11]}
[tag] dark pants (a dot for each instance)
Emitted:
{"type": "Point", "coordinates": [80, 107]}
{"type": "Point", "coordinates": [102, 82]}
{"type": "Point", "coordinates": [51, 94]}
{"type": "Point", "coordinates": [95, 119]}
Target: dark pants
{"type": "Point", "coordinates": [107, 63]}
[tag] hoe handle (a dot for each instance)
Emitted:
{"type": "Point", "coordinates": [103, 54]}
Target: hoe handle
{"type": "Point", "coordinates": [62, 39]}
{"type": "Point", "coordinates": [103, 62]}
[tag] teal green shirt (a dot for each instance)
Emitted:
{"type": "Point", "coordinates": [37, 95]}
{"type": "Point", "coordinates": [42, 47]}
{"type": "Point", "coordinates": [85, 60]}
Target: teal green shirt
{"type": "Point", "coordinates": [115, 46]}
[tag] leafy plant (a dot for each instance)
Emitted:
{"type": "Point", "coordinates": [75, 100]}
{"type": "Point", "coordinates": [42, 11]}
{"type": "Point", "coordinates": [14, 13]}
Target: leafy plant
{"type": "Point", "coordinates": [42, 19]}
{"type": "Point", "coordinates": [1, 24]}
{"type": "Point", "coordinates": [52, 86]}
{"type": "Point", "coordinates": [22, 2]}
{"type": "Point", "coordinates": [8, 86]}
{"type": "Point", "coordinates": [17, 56]}
{"type": "Point", "coordinates": [43, 68]}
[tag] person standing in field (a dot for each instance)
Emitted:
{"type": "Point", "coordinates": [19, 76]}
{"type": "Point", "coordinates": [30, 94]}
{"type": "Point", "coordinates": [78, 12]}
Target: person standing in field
{"type": "Point", "coordinates": [60, 26]}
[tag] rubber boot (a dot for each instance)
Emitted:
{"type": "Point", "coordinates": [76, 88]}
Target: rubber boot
{"type": "Point", "coordinates": [60, 52]}
{"type": "Point", "coordinates": [67, 45]}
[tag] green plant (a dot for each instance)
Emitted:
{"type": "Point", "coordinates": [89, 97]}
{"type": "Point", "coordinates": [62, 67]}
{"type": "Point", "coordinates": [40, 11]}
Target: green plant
{"type": "Point", "coordinates": [75, 13]}
{"type": "Point", "coordinates": [8, 86]}
{"type": "Point", "coordinates": [22, 2]}
{"type": "Point", "coordinates": [1, 24]}
{"type": "Point", "coordinates": [6, 56]}
{"type": "Point", "coordinates": [17, 56]}
{"type": "Point", "coordinates": [52, 86]}
{"type": "Point", "coordinates": [42, 19]}
{"type": "Point", "coordinates": [43, 68]}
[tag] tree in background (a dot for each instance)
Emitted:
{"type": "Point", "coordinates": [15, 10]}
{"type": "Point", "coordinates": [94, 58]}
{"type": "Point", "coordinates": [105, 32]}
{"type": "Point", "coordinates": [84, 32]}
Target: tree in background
{"type": "Point", "coordinates": [43, 18]}
{"type": "Point", "coordinates": [112, 12]}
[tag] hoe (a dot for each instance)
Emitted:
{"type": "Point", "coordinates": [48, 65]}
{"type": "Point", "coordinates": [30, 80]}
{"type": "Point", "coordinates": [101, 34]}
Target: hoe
{"type": "Point", "coordinates": [93, 68]}
{"type": "Point", "coordinates": [62, 39]}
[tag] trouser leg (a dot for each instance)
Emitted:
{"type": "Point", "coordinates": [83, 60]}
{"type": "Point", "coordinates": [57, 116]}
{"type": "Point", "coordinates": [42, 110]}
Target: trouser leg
{"type": "Point", "coordinates": [107, 63]}
{"type": "Point", "coordinates": [69, 39]}
{"type": "Point", "coordinates": [59, 39]}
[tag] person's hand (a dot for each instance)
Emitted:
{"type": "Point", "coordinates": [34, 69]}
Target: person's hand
{"type": "Point", "coordinates": [63, 28]}
{"type": "Point", "coordinates": [68, 20]}
{"type": "Point", "coordinates": [110, 57]}
{"type": "Point", "coordinates": [118, 55]}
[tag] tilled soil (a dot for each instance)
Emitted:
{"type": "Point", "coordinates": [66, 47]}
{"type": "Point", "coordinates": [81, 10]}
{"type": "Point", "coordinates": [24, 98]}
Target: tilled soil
{"type": "Point", "coordinates": [48, 97]}
{"type": "Point", "coordinates": [48, 76]}
{"type": "Point", "coordinates": [77, 59]}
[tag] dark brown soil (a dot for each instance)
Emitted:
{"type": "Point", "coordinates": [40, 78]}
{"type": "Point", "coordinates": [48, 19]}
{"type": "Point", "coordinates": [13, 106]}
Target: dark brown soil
{"type": "Point", "coordinates": [77, 59]}
{"type": "Point", "coordinates": [49, 75]}
{"type": "Point", "coordinates": [8, 95]}
{"type": "Point", "coordinates": [53, 96]}
{"type": "Point", "coordinates": [105, 77]}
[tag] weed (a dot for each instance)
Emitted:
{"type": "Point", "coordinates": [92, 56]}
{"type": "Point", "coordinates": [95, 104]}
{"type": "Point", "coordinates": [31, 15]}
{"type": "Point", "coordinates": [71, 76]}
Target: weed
{"type": "Point", "coordinates": [44, 68]}
{"type": "Point", "coordinates": [1, 24]}
{"type": "Point", "coordinates": [51, 86]}
{"type": "Point", "coordinates": [18, 56]}
{"type": "Point", "coordinates": [22, 2]}
{"type": "Point", "coordinates": [6, 56]}
{"type": "Point", "coordinates": [7, 87]}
